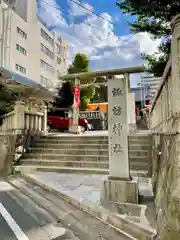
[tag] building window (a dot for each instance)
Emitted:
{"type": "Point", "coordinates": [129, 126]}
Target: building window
{"type": "Point", "coordinates": [60, 39]}
{"type": "Point", "coordinates": [47, 37]}
{"type": "Point", "coordinates": [47, 66]}
{"type": "Point", "coordinates": [58, 60]}
{"type": "Point", "coordinates": [21, 33]}
{"type": "Point", "coordinates": [46, 82]}
{"type": "Point", "coordinates": [21, 49]}
{"type": "Point", "coordinates": [47, 51]}
{"type": "Point", "coordinates": [20, 69]}
{"type": "Point", "coordinates": [58, 48]}
{"type": "Point", "coordinates": [10, 2]}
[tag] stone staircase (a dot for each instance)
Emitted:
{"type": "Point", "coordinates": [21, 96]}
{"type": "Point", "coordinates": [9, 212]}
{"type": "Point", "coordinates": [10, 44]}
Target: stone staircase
{"type": "Point", "coordinates": [84, 154]}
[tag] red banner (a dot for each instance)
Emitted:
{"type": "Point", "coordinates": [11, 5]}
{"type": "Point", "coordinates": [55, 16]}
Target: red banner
{"type": "Point", "coordinates": [77, 96]}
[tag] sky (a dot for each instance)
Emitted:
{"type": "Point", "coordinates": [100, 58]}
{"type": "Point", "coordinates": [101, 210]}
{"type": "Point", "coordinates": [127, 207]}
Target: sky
{"type": "Point", "coordinates": [108, 43]}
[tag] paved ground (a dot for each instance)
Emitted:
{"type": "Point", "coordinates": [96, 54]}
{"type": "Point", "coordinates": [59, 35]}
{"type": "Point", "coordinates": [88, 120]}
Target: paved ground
{"type": "Point", "coordinates": [28, 212]}
{"type": "Point", "coordinates": [86, 189]}
{"type": "Point", "coordinates": [16, 223]}
{"type": "Point", "coordinates": [83, 187]}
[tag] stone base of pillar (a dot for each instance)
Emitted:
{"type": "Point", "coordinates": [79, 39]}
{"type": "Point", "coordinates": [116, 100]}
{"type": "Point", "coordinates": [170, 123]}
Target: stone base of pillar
{"type": "Point", "coordinates": [119, 190]}
{"type": "Point", "coordinates": [132, 127]}
{"type": "Point", "coordinates": [75, 129]}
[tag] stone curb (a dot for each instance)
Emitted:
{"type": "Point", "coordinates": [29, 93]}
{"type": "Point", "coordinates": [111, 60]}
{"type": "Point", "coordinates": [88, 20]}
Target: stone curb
{"type": "Point", "coordinates": [126, 227]}
{"type": "Point", "coordinates": [34, 168]}
{"type": "Point", "coordinates": [40, 168]}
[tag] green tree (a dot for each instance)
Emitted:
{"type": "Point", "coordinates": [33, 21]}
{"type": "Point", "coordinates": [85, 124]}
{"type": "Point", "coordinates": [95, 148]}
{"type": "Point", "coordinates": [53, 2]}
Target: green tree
{"type": "Point", "coordinates": [65, 96]}
{"type": "Point", "coordinates": [101, 91]}
{"type": "Point", "coordinates": [8, 98]}
{"type": "Point", "coordinates": [154, 17]}
{"type": "Point", "coordinates": [81, 63]}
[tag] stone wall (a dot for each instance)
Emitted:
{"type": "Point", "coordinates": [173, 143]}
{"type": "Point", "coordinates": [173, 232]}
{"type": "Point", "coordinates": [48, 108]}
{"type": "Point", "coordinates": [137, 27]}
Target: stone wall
{"type": "Point", "coordinates": [7, 149]}
{"type": "Point", "coordinates": [12, 147]}
{"type": "Point", "coordinates": [165, 180]}
{"type": "Point", "coordinates": [18, 130]}
{"type": "Point", "coordinates": [161, 112]}
{"type": "Point", "coordinates": [165, 123]}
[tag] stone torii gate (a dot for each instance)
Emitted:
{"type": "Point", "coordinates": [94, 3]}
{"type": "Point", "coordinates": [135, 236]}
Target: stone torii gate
{"type": "Point", "coordinates": [119, 186]}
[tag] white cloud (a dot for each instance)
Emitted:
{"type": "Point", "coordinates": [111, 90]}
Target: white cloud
{"type": "Point", "coordinates": [76, 10]}
{"type": "Point", "coordinates": [50, 14]}
{"type": "Point", "coordinates": [104, 48]}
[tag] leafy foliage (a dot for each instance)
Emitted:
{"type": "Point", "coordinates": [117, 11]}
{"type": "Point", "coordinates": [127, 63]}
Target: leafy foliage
{"type": "Point", "coordinates": [81, 63]}
{"type": "Point", "coordinates": [65, 96]}
{"type": "Point", "coordinates": [64, 99]}
{"type": "Point", "coordinates": [8, 97]}
{"type": "Point", "coordinates": [154, 17]}
{"type": "Point", "coordinates": [100, 92]}
{"type": "Point", "coordinates": [100, 95]}
{"type": "Point", "coordinates": [86, 96]}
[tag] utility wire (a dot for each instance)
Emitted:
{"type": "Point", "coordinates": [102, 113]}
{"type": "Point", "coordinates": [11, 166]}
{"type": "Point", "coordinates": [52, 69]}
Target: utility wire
{"type": "Point", "coordinates": [71, 14]}
{"type": "Point", "coordinates": [80, 5]}
{"type": "Point", "coordinates": [86, 23]}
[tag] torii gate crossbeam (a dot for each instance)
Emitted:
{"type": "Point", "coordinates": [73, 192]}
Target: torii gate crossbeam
{"type": "Point", "coordinates": [90, 75]}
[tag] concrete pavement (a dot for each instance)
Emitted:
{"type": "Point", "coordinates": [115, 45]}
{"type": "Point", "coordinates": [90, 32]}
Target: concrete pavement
{"type": "Point", "coordinates": [16, 223]}
{"type": "Point", "coordinates": [83, 191]}
{"type": "Point", "coordinates": [29, 212]}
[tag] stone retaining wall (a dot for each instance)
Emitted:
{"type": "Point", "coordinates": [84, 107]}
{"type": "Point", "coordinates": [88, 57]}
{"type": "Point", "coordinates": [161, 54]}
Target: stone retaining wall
{"type": "Point", "coordinates": [12, 147]}
{"type": "Point", "coordinates": [165, 124]}
{"type": "Point", "coordinates": [165, 178]}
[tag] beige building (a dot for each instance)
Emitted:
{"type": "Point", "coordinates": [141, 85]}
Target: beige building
{"type": "Point", "coordinates": [27, 47]}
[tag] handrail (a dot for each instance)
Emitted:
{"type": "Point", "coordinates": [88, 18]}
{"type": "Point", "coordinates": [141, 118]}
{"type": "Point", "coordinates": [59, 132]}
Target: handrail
{"type": "Point", "coordinates": [34, 113]}
{"type": "Point", "coordinates": [7, 114]}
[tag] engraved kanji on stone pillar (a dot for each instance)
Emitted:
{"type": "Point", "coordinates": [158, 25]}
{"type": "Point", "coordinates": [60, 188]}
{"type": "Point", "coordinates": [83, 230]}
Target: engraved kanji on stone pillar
{"type": "Point", "coordinates": [118, 128]}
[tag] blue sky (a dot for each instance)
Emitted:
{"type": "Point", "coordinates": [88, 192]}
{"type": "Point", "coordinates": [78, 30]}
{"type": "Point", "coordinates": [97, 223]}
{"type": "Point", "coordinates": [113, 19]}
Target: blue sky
{"type": "Point", "coordinates": [107, 45]}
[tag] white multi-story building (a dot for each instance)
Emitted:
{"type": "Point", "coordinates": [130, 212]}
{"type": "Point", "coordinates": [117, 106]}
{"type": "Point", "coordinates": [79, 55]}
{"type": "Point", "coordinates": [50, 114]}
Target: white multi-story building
{"type": "Point", "coordinates": [27, 47]}
{"type": "Point", "coordinates": [149, 82]}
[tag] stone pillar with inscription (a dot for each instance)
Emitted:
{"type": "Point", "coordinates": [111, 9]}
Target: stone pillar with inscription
{"type": "Point", "coordinates": [118, 187]}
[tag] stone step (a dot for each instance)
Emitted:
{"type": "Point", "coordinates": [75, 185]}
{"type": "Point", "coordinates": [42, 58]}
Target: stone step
{"type": "Point", "coordinates": [134, 146]}
{"type": "Point", "coordinates": [70, 145]}
{"type": "Point", "coordinates": [66, 157]}
{"type": "Point", "coordinates": [93, 146]}
{"type": "Point", "coordinates": [91, 158]}
{"type": "Point", "coordinates": [30, 169]}
{"type": "Point", "coordinates": [35, 168]}
{"type": "Point", "coordinates": [139, 140]}
{"type": "Point", "coordinates": [79, 151]}
{"type": "Point", "coordinates": [139, 153]}
{"type": "Point", "coordinates": [84, 164]}
{"type": "Point", "coordinates": [76, 137]}
{"type": "Point", "coordinates": [92, 139]}
{"type": "Point", "coordinates": [72, 140]}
